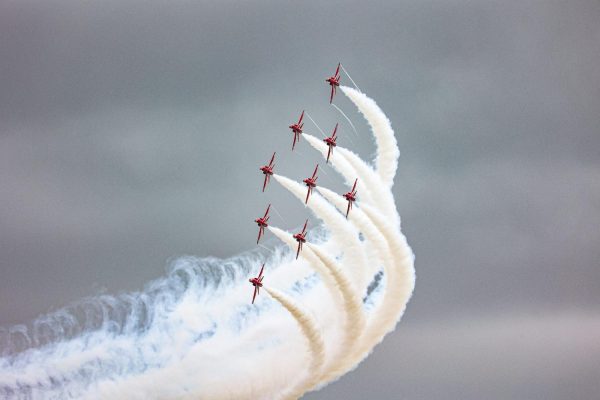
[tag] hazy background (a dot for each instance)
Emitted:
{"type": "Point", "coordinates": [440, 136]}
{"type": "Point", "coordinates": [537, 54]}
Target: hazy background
{"type": "Point", "coordinates": [131, 133]}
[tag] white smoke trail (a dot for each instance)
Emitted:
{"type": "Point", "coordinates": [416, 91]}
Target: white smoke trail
{"type": "Point", "coordinates": [388, 311]}
{"type": "Point", "coordinates": [352, 302]}
{"type": "Point", "coordinates": [400, 277]}
{"type": "Point", "coordinates": [386, 161]}
{"type": "Point", "coordinates": [335, 222]}
{"type": "Point", "coordinates": [386, 165]}
{"type": "Point", "coordinates": [384, 197]}
{"type": "Point", "coordinates": [394, 297]}
{"type": "Point", "coordinates": [336, 281]}
{"type": "Point", "coordinates": [191, 334]}
{"type": "Point", "coordinates": [379, 253]}
{"type": "Point", "coordinates": [351, 166]}
{"type": "Point", "coordinates": [355, 327]}
{"type": "Point", "coordinates": [313, 336]}
{"type": "Point", "coordinates": [400, 284]}
{"type": "Point", "coordinates": [354, 253]}
{"type": "Point", "coordinates": [340, 164]}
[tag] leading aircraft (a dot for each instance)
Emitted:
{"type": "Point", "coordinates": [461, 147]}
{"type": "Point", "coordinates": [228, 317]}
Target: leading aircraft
{"type": "Point", "coordinates": [334, 82]}
{"type": "Point", "coordinates": [300, 238]}
{"type": "Point", "coordinates": [257, 283]}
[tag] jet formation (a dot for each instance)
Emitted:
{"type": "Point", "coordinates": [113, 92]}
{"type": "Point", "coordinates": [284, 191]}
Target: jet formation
{"type": "Point", "coordinates": [310, 182]}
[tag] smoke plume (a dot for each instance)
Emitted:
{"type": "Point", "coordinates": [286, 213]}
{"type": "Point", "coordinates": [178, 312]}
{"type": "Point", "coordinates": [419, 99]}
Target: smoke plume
{"type": "Point", "coordinates": [193, 334]}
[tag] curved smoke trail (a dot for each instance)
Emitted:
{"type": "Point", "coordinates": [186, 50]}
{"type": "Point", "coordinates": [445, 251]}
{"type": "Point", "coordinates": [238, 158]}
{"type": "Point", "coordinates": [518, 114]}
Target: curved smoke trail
{"type": "Point", "coordinates": [355, 258]}
{"type": "Point", "coordinates": [355, 320]}
{"type": "Point", "coordinates": [386, 161]}
{"type": "Point", "coordinates": [192, 333]}
{"type": "Point", "coordinates": [395, 296]}
{"type": "Point", "coordinates": [351, 166]}
{"type": "Point", "coordinates": [340, 164]}
{"type": "Point", "coordinates": [330, 278]}
{"type": "Point", "coordinates": [312, 333]}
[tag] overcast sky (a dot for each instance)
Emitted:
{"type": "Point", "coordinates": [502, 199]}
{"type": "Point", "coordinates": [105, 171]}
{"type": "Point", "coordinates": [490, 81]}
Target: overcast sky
{"type": "Point", "coordinates": [131, 133]}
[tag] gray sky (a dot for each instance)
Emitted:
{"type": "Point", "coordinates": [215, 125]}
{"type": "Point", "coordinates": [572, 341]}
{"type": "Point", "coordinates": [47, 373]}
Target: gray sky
{"type": "Point", "coordinates": [131, 133]}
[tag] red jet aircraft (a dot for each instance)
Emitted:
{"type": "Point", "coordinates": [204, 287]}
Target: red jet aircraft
{"type": "Point", "coordinates": [297, 129]}
{"type": "Point", "coordinates": [262, 224]}
{"type": "Point", "coordinates": [268, 171]}
{"type": "Point", "coordinates": [351, 197]}
{"type": "Point", "coordinates": [257, 283]}
{"type": "Point", "coordinates": [331, 142]}
{"type": "Point", "coordinates": [300, 238]}
{"type": "Point", "coordinates": [311, 183]}
{"type": "Point", "coordinates": [334, 82]}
